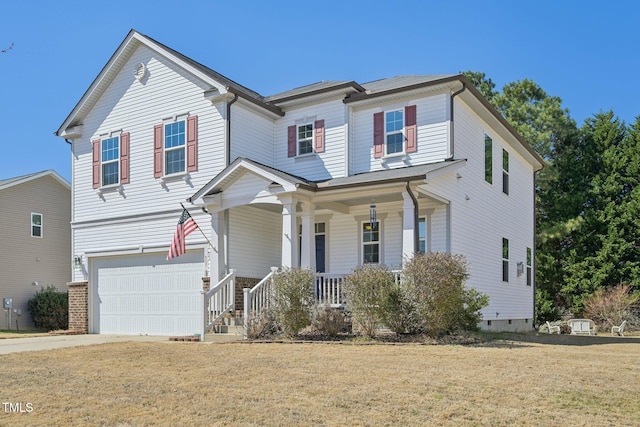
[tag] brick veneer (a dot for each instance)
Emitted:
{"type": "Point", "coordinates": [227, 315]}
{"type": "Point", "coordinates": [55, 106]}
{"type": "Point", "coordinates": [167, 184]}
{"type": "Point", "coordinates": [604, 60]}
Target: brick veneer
{"type": "Point", "coordinates": [78, 307]}
{"type": "Point", "coordinates": [243, 282]}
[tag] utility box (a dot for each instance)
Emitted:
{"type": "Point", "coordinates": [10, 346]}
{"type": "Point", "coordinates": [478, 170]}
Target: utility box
{"type": "Point", "coordinates": [7, 303]}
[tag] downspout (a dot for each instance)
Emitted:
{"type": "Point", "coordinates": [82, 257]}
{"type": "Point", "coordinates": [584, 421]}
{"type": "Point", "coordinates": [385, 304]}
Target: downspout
{"type": "Point", "coordinates": [416, 220]}
{"type": "Point", "coordinates": [228, 119]}
{"type": "Point", "coordinates": [451, 130]}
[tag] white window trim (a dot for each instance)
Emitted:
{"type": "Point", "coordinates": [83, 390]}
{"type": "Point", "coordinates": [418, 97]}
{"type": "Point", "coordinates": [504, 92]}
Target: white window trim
{"type": "Point", "coordinates": [401, 153]}
{"type": "Point", "coordinates": [116, 160]}
{"type": "Point", "coordinates": [505, 172]}
{"type": "Point", "coordinates": [361, 219]}
{"type": "Point", "coordinates": [35, 225]}
{"type": "Point", "coordinates": [504, 259]}
{"type": "Point", "coordinates": [310, 139]}
{"type": "Point", "coordinates": [486, 135]}
{"type": "Point", "coordinates": [168, 121]}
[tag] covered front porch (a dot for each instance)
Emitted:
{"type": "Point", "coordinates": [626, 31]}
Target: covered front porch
{"type": "Point", "coordinates": [262, 217]}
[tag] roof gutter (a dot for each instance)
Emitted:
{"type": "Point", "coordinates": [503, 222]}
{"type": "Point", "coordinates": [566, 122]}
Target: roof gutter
{"type": "Point", "coordinates": [451, 130]}
{"type": "Point", "coordinates": [228, 120]}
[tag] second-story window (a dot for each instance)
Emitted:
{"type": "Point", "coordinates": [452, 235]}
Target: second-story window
{"type": "Point", "coordinates": [36, 225]}
{"type": "Point", "coordinates": [505, 171]}
{"type": "Point", "coordinates": [110, 149]}
{"type": "Point", "coordinates": [488, 159]}
{"type": "Point", "coordinates": [174, 147]}
{"type": "Point", "coordinates": [305, 139]}
{"type": "Point", "coordinates": [394, 124]}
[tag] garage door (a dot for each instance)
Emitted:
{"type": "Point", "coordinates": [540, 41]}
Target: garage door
{"type": "Point", "coordinates": [145, 294]}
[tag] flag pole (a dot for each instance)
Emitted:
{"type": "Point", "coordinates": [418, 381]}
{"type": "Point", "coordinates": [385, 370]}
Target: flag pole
{"type": "Point", "coordinates": [204, 235]}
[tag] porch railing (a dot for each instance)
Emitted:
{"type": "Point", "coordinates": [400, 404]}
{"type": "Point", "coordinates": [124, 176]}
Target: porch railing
{"type": "Point", "coordinates": [257, 298]}
{"type": "Point", "coordinates": [328, 288]}
{"type": "Point", "coordinates": [219, 300]}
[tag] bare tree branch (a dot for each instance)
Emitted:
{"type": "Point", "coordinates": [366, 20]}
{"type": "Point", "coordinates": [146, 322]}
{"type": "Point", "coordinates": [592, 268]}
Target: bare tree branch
{"type": "Point", "coordinates": [7, 49]}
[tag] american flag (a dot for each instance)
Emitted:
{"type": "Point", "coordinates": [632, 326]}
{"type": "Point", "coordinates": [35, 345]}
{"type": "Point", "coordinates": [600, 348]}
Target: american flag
{"type": "Point", "coordinates": [185, 226]}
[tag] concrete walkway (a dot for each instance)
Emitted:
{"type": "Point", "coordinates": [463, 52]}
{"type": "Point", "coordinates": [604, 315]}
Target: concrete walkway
{"type": "Point", "coordinates": [15, 345]}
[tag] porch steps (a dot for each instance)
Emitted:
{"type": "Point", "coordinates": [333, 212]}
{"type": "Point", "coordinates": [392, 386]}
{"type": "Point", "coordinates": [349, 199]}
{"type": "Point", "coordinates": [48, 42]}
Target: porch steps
{"type": "Point", "coordinates": [232, 325]}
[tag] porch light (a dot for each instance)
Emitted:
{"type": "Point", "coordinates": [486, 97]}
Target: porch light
{"type": "Point", "coordinates": [372, 215]}
{"type": "Point", "coordinates": [77, 262]}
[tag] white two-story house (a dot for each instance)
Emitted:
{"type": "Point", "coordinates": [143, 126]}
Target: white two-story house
{"type": "Point", "coordinates": [327, 176]}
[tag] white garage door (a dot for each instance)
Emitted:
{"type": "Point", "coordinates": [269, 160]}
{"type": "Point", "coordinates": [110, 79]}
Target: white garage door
{"type": "Point", "coordinates": [145, 294]}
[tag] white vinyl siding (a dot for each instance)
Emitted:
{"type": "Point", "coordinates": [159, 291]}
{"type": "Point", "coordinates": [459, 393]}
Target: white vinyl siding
{"type": "Point", "coordinates": [318, 166]}
{"type": "Point", "coordinates": [477, 227]}
{"type": "Point", "coordinates": [432, 134]}
{"type": "Point", "coordinates": [136, 107]}
{"type": "Point", "coordinates": [252, 135]}
{"type": "Point", "coordinates": [254, 241]}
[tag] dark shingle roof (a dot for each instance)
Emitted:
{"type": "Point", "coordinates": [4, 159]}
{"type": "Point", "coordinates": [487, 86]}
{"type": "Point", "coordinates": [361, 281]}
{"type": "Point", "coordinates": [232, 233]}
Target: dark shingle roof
{"type": "Point", "coordinates": [398, 82]}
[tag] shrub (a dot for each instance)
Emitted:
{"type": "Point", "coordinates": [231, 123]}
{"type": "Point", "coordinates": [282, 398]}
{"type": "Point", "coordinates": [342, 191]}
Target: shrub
{"type": "Point", "coordinates": [293, 299]}
{"type": "Point", "coordinates": [364, 290]}
{"type": "Point", "coordinates": [49, 309]}
{"type": "Point", "coordinates": [399, 311]}
{"type": "Point", "coordinates": [436, 283]}
{"type": "Point", "coordinates": [328, 321]}
{"type": "Point", "coordinates": [261, 325]}
{"type": "Point", "coordinates": [609, 307]}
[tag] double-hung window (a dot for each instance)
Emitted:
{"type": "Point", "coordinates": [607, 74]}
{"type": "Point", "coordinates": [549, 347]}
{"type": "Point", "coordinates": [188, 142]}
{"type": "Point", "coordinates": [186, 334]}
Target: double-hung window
{"type": "Point", "coordinates": [505, 171]}
{"type": "Point", "coordinates": [488, 159]}
{"type": "Point", "coordinates": [394, 138]}
{"type": "Point", "coordinates": [110, 153]}
{"type": "Point", "coordinates": [505, 260]}
{"type": "Point", "coordinates": [371, 242]}
{"type": "Point", "coordinates": [422, 235]}
{"type": "Point", "coordinates": [529, 266]}
{"type": "Point", "coordinates": [36, 225]}
{"type": "Point", "coordinates": [305, 139]}
{"type": "Point", "coordinates": [174, 147]}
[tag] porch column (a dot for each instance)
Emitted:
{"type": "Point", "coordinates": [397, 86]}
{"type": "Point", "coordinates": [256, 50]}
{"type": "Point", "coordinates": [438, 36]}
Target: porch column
{"type": "Point", "coordinates": [408, 226]}
{"type": "Point", "coordinates": [218, 238]}
{"type": "Point", "coordinates": [289, 232]}
{"type": "Point", "coordinates": [308, 250]}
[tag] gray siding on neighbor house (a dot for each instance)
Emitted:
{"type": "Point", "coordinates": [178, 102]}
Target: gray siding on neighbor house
{"type": "Point", "coordinates": [25, 259]}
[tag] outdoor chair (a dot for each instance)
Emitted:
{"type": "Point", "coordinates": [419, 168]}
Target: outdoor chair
{"type": "Point", "coordinates": [619, 329]}
{"type": "Point", "coordinates": [553, 328]}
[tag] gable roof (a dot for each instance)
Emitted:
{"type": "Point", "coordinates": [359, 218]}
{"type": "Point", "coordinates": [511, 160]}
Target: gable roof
{"type": "Point", "coordinates": [11, 182]}
{"type": "Point", "coordinates": [132, 41]}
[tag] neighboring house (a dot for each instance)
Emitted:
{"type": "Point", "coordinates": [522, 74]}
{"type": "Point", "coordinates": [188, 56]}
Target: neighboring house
{"type": "Point", "coordinates": [35, 211]}
{"type": "Point", "coordinates": [287, 180]}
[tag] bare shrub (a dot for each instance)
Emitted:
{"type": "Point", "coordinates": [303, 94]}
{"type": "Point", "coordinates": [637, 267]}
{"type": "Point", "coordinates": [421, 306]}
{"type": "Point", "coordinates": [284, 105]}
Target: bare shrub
{"type": "Point", "coordinates": [609, 307]}
{"type": "Point", "coordinates": [399, 311]}
{"type": "Point", "coordinates": [363, 289]}
{"type": "Point", "coordinates": [261, 325]}
{"type": "Point", "coordinates": [293, 299]}
{"type": "Point", "coordinates": [436, 282]}
{"type": "Point", "coordinates": [328, 321]}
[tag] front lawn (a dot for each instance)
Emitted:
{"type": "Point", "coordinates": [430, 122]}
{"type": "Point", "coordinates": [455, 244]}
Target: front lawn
{"type": "Point", "coordinates": [509, 380]}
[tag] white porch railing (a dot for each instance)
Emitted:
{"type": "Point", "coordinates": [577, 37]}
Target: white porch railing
{"type": "Point", "coordinates": [219, 300]}
{"type": "Point", "coordinates": [328, 288]}
{"type": "Point", "coordinates": [257, 298]}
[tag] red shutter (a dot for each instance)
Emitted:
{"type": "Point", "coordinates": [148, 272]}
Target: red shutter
{"type": "Point", "coordinates": [291, 141]}
{"type": "Point", "coordinates": [319, 136]}
{"type": "Point", "coordinates": [378, 135]}
{"type": "Point", "coordinates": [96, 163]}
{"type": "Point", "coordinates": [192, 143]}
{"type": "Point", "coordinates": [157, 151]}
{"type": "Point", "coordinates": [124, 158]}
{"type": "Point", "coordinates": [410, 129]}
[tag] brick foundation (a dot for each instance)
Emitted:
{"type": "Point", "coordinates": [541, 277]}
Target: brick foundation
{"type": "Point", "coordinates": [79, 307]}
{"type": "Point", "coordinates": [206, 283]}
{"type": "Point", "coordinates": [243, 282]}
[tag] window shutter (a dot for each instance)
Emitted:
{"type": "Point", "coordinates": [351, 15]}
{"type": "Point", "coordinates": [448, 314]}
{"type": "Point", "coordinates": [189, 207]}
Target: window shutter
{"type": "Point", "coordinates": [318, 126]}
{"type": "Point", "coordinates": [124, 158]}
{"type": "Point", "coordinates": [410, 129]}
{"type": "Point", "coordinates": [378, 135]}
{"type": "Point", "coordinates": [96, 163]}
{"type": "Point", "coordinates": [192, 143]}
{"type": "Point", "coordinates": [291, 141]}
{"type": "Point", "coordinates": [157, 151]}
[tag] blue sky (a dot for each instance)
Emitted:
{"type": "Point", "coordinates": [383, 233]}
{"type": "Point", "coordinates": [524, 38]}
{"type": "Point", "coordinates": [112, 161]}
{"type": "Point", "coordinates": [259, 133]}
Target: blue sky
{"type": "Point", "coordinates": [585, 52]}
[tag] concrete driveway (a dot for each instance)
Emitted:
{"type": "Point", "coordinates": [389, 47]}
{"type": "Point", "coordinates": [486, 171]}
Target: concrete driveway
{"type": "Point", "coordinates": [15, 345]}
